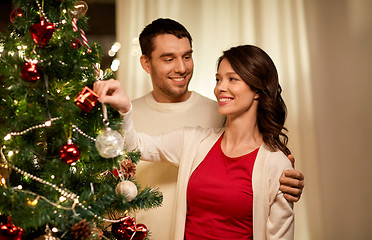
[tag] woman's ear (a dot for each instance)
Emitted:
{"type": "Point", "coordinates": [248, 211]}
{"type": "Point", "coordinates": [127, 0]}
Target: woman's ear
{"type": "Point", "coordinates": [145, 63]}
{"type": "Point", "coordinates": [256, 96]}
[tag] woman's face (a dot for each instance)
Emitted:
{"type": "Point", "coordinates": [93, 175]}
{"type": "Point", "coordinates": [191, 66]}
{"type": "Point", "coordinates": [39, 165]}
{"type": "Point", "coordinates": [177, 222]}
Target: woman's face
{"type": "Point", "coordinates": [233, 95]}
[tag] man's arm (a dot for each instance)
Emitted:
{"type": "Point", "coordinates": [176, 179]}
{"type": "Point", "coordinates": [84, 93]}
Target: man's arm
{"type": "Point", "coordinates": [292, 183]}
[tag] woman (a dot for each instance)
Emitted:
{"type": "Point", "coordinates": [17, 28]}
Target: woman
{"type": "Point", "coordinates": [228, 182]}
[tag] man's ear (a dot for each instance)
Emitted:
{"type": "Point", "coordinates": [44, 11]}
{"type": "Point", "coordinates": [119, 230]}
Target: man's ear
{"type": "Point", "coordinates": [145, 63]}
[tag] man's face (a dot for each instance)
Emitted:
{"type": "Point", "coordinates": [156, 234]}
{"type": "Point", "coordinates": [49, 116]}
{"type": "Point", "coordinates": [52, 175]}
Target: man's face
{"type": "Point", "coordinates": [171, 68]}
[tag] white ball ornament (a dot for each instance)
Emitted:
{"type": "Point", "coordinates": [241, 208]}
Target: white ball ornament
{"type": "Point", "coordinates": [128, 189]}
{"type": "Point", "coordinates": [109, 143]}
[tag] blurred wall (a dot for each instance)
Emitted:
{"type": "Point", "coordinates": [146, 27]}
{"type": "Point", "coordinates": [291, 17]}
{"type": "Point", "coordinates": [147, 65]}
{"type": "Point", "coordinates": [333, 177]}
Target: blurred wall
{"type": "Point", "coordinates": [339, 37]}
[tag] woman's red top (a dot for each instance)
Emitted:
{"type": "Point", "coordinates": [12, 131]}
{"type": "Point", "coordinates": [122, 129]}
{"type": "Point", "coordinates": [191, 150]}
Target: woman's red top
{"type": "Point", "coordinates": [220, 197]}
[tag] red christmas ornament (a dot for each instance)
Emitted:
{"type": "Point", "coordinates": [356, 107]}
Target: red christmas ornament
{"type": "Point", "coordinates": [75, 44]}
{"type": "Point", "coordinates": [127, 229]}
{"type": "Point", "coordinates": [42, 32]}
{"type": "Point", "coordinates": [9, 231]}
{"type": "Point", "coordinates": [115, 172]}
{"type": "Point", "coordinates": [30, 72]}
{"type": "Point", "coordinates": [87, 99]}
{"type": "Point", "coordinates": [16, 13]}
{"type": "Point", "coordinates": [70, 153]}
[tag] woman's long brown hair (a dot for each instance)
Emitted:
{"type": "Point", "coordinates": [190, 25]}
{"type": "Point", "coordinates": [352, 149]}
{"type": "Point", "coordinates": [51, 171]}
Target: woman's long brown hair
{"type": "Point", "coordinates": [257, 69]}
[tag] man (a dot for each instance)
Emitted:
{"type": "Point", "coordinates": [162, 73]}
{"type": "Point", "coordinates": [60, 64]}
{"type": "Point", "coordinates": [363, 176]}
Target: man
{"type": "Point", "coordinates": [167, 56]}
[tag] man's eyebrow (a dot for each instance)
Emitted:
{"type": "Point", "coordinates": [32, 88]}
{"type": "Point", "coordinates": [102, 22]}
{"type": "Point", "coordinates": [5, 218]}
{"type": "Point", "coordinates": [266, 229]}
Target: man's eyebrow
{"type": "Point", "coordinates": [167, 55]}
{"type": "Point", "coordinates": [172, 54]}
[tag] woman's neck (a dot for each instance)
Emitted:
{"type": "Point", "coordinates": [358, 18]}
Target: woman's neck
{"type": "Point", "coordinates": [241, 136]}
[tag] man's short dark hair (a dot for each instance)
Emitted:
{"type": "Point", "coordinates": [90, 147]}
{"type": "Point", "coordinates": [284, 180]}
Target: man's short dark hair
{"type": "Point", "coordinates": [158, 27]}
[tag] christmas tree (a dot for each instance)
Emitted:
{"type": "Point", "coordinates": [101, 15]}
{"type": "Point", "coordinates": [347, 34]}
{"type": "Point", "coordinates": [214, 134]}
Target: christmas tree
{"type": "Point", "coordinates": [63, 171]}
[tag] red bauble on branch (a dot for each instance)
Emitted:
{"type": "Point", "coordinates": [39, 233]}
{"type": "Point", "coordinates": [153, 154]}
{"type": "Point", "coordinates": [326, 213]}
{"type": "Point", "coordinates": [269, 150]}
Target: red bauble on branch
{"type": "Point", "coordinates": [9, 231]}
{"type": "Point", "coordinates": [75, 44]}
{"type": "Point", "coordinates": [42, 32]}
{"type": "Point", "coordinates": [30, 72]}
{"type": "Point", "coordinates": [87, 99]}
{"type": "Point", "coordinates": [70, 153]}
{"type": "Point", "coordinates": [16, 13]}
{"type": "Point", "coordinates": [127, 229]}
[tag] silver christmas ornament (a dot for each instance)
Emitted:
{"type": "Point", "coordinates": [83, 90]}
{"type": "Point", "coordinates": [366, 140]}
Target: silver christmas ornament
{"type": "Point", "coordinates": [109, 143]}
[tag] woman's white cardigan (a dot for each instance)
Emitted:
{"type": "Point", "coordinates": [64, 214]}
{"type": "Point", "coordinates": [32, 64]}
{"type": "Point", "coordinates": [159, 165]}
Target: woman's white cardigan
{"type": "Point", "coordinates": [272, 214]}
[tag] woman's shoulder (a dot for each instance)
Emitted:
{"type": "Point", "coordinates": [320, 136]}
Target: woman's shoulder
{"type": "Point", "coordinates": [276, 159]}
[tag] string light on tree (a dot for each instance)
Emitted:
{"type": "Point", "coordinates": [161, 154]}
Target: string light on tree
{"type": "Point", "coordinates": [4, 174]}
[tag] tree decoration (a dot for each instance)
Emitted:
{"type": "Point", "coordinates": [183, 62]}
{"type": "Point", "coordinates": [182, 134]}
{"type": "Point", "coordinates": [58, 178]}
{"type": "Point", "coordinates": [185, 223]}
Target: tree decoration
{"type": "Point", "coordinates": [43, 15]}
{"type": "Point", "coordinates": [86, 100]}
{"type": "Point", "coordinates": [109, 143]}
{"type": "Point", "coordinates": [82, 34]}
{"type": "Point", "coordinates": [48, 235]}
{"type": "Point", "coordinates": [4, 174]}
{"type": "Point", "coordinates": [127, 169]}
{"type": "Point", "coordinates": [128, 189]}
{"type": "Point", "coordinates": [30, 71]}
{"type": "Point", "coordinates": [42, 32]}
{"type": "Point", "coordinates": [9, 231]}
{"type": "Point", "coordinates": [81, 230]}
{"type": "Point", "coordinates": [79, 9]}
{"type": "Point", "coordinates": [75, 44]}
{"type": "Point", "coordinates": [70, 153]}
{"type": "Point", "coordinates": [16, 13]}
{"type": "Point", "coordinates": [127, 229]}
{"type": "Point", "coordinates": [96, 233]}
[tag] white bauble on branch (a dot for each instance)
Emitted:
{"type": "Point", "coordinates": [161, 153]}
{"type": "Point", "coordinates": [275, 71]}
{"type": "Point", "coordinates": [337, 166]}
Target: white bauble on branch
{"type": "Point", "coordinates": [128, 189]}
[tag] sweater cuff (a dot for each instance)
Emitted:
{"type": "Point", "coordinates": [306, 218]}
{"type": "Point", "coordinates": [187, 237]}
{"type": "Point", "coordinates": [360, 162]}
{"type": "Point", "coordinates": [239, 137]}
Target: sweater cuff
{"type": "Point", "coordinates": [123, 115]}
